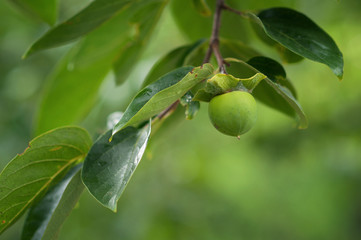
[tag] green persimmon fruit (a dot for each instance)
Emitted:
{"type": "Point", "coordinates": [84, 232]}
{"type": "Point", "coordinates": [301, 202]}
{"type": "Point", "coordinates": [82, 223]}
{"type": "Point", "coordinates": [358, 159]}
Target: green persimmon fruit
{"type": "Point", "coordinates": [233, 113]}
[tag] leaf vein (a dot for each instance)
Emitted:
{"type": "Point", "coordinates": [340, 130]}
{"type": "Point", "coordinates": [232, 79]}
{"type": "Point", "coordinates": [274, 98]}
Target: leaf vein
{"type": "Point", "coordinates": [37, 162]}
{"type": "Point", "coordinates": [41, 189]}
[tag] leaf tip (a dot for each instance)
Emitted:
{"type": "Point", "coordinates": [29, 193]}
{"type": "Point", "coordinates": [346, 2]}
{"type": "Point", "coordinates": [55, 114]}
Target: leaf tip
{"type": "Point", "coordinates": [27, 53]}
{"type": "Point", "coordinates": [113, 208]}
{"type": "Point", "coordinates": [340, 77]}
{"type": "Point", "coordinates": [338, 71]}
{"type": "Point", "coordinates": [303, 125]}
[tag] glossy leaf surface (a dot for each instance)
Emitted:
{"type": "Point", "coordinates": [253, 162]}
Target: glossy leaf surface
{"type": "Point", "coordinates": [44, 162]}
{"type": "Point", "coordinates": [110, 165]}
{"type": "Point", "coordinates": [286, 55]}
{"type": "Point", "coordinates": [274, 71]}
{"type": "Point", "coordinates": [46, 10]}
{"type": "Point", "coordinates": [91, 17]}
{"type": "Point", "coordinates": [301, 35]}
{"type": "Point", "coordinates": [156, 97]}
{"type": "Point", "coordinates": [45, 219]}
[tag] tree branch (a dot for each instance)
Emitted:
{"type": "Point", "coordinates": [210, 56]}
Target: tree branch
{"type": "Point", "coordinates": [167, 111]}
{"type": "Point", "coordinates": [213, 47]}
{"type": "Point", "coordinates": [214, 40]}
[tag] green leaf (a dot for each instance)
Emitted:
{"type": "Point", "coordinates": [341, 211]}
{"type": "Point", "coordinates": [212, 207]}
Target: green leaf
{"type": "Point", "coordinates": [273, 70]}
{"type": "Point", "coordinates": [202, 7]}
{"type": "Point", "coordinates": [192, 107]}
{"type": "Point", "coordinates": [46, 10]}
{"type": "Point", "coordinates": [285, 54]}
{"type": "Point", "coordinates": [270, 92]}
{"type": "Point", "coordinates": [90, 18]}
{"type": "Point", "coordinates": [301, 35]}
{"type": "Point", "coordinates": [223, 83]}
{"type": "Point", "coordinates": [144, 21]}
{"type": "Point", "coordinates": [147, 93]}
{"type": "Point", "coordinates": [123, 66]}
{"type": "Point", "coordinates": [47, 216]}
{"type": "Point", "coordinates": [110, 165]}
{"type": "Point", "coordinates": [29, 175]}
{"type": "Point", "coordinates": [159, 95]}
{"type": "Point", "coordinates": [73, 86]}
{"type": "Point", "coordinates": [288, 56]}
{"type": "Point", "coordinates": [172, 60]}
{"type": "Point", "coordinates": [290, 99]}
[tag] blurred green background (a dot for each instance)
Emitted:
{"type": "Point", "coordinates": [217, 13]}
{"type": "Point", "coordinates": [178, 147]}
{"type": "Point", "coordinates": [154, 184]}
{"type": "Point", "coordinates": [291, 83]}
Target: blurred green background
{"type": "Point", "coordinates": [276, 182]}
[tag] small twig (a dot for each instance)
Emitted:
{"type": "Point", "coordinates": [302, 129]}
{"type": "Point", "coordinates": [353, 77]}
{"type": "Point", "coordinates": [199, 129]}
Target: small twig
{"type": "Point", "coordinates": [213, 48]}
{"type": "Point", "coordinates": [208, 55]}
{"type": "Point", "coordinates": [228, 8]}
{"type": "Point", "coordinates": [217, 53]}
{"type": "Point", "coordinates": [172, 107]}
{"type": "Point", "coordinates": [214, 40]}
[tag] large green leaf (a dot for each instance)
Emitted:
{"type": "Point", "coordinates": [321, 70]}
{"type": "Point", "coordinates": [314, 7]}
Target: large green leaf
{"type": "Point", "coordinates": [74, 84]}
{"type": "Point", "coordinates": [274, 71]}
{"type": "Point", "coordinates": [286, 55]}
{"type": "Point", "coordinates": [45, 10]}
{"type": "Point", "coordinates": [144, 21]}
{"type": "Point", "coordinates": [91, 17]}
{"type": "Point", "coordinates": [172, 60]}
{"type": "Point", "coordinates": [45, 219]}
{"type": "Point", "coordinates": [272, 90]}
{"type": "Point", "coordinates": [29, 175]}
{"type": "Point", "coordinates": [159, 95]}
{"type": "Point", "coordinates": [301, 35]}
{"type": "Point", "coordinates": [110, 165]}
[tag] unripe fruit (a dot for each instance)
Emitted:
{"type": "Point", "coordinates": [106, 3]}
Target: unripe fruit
{"type": "Point", "coordinates": [233, 113]}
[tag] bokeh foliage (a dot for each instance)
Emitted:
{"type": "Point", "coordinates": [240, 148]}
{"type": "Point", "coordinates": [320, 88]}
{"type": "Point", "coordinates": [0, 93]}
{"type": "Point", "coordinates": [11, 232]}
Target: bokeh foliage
{"type": "Point", "coordinates": [277, 182]}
